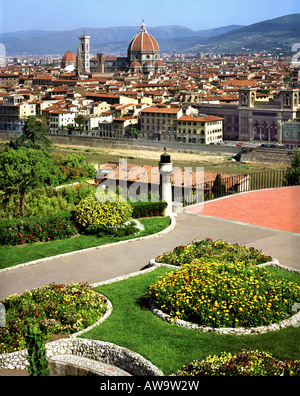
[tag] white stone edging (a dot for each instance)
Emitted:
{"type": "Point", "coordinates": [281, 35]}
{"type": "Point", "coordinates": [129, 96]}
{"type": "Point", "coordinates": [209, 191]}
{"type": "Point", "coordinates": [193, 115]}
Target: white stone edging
{"type": "Point", "coordinates": [158, 234]}
{"type": "Point", "coordinates": [95, 350]}
{"type": "Point", "coordinates": [292, 321]}
{"type": "Point", "coordinates": [122, 357]}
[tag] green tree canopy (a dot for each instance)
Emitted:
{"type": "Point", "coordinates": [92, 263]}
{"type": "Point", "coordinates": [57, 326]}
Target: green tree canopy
{"type": "Point", "coordinates": [26, 169]}
{"type": "Point", "coordinates": [293, 174]}
{"type": "Point", "coordinates": [33, 136]}
{"type": "Point", "coordinates": [74, 166]}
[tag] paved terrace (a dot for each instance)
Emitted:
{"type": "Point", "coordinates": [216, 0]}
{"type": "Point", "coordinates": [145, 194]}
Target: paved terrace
{"type": "Point", "coordinates": [267, 220]}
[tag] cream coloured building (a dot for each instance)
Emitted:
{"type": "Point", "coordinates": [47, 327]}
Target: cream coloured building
{"type": "Point", "coordinates": [160, 123]}
{"type": "Point", "coordinates": [206, 130]}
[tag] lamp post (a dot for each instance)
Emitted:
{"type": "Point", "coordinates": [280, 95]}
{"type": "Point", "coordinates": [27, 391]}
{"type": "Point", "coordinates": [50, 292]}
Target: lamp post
{"type": "Point", "coordinates": [165, 170]}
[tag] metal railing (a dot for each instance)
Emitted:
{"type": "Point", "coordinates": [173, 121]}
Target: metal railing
{"type": "Point", "coordinates": [234, 185]}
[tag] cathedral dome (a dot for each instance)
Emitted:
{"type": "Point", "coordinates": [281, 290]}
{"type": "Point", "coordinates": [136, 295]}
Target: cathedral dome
{"type": "Point", "coordinates": [143, 41]}
{"type": "Point", "coordinates": [160, 63]}
{"type": "Point", "coordinates": [69, 57]}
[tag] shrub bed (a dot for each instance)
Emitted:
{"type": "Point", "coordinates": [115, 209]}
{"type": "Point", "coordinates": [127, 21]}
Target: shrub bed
{"type": "Point", "coordinates": [90, 211]}
{"type": "Point", "coordinates": [225, 294]}
{"type": "Point", "coordinates": [147, 209]}
{"type": "Point", "coordinates": [53, 309]}
{"type": "Point", "coordinates": [246, 363]}
{"type": "Point", "coordinates": [37, 229]}
{"type": "Point", "coordinates": [208, 249]}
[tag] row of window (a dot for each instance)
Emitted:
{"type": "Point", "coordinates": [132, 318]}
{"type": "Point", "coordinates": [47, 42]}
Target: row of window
{"type": "Point", "coordinates": [153, 121]}
{"type": "Point", "coordinates": [157, 115]}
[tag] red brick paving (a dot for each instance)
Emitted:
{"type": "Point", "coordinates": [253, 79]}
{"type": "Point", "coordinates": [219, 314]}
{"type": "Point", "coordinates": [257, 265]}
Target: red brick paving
{"type": "Point", "coordinates": [275, 208]}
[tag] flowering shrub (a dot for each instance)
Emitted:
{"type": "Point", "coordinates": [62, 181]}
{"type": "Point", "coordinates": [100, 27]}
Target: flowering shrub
{"type": "Point", "coordinates": [225, 294]}
{"type": "Point", "coordinates": [90, 211]}
{"type": "Point", "coordinates": [246, 363]}
{"type": "Point", "coordinates": [130, 227]}
{"type": "Point", "coordinates": [53, 309]}
{"type": "Point", "coordinates": [208, 249]}
{"type": "Point", "coordinates": [37, 229]}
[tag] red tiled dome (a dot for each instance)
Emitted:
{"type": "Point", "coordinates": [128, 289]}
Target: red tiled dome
{"type": "Point", "coordinates": [69, 57]}
{"type": "Point", "coordinates": [143, 41]}
{"type": "Point", "coordinates": [135, 63]}
{"type": "Point", "coordinates": [159, 63]}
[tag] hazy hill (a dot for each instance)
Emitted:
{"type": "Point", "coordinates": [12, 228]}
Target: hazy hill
{"type": "Point", "coordinates": [274, 34]}
{"type": "Point", "coordinates": [108, 40]}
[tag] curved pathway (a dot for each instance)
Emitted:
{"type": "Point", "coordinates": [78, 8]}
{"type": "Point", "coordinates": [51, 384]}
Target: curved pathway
{"type": "Point", "coordinates": [208, 220]}
{"type": "Point", "coordinates": [247, 218]}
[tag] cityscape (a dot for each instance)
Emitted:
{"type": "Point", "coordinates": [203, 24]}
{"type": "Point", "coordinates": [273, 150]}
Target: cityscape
{"type": "Point", "coordinates": [149, 167]}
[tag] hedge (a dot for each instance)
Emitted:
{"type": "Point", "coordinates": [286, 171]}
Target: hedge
{"type": "Point", "coordinates": [37, 229]}
{"type": "Point", "coordinates": [148, 209]}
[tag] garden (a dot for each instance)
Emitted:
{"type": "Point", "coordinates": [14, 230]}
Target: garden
{"type": "Point", "coordinates": [46, 201]}
{"type": "Point", "coordinates": [210, 283]}
{"type": "Point", "coordinates": [216, 293]}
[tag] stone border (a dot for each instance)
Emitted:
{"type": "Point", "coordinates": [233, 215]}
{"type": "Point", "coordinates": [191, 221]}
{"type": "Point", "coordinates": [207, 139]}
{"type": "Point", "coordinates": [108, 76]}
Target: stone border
{"type": "Point", "coordinates": [158, 234]}
{"type": "Point", "coordinates": [112, 354]}
{"type": "Point", "coordinates": [96, 351]}
{"type": "Point", "coordinates": [292, 321]}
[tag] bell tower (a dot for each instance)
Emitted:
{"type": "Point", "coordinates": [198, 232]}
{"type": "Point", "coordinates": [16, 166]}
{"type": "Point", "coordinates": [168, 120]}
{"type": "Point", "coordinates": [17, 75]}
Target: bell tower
{"type": "Point", "coordinates": [84, 46]}
{"type": "Point", "coordinates": [247, 97]}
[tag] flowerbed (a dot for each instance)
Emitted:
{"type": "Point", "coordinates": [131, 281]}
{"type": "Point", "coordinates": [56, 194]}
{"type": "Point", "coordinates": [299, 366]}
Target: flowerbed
{"type": "Point", "coordinates": [54, 309]}
{"type": "Point", "coordinates": [37, 229]}
{"type": "Point", "coordinates": [225, 294]}
{"type": "Point", "coordinates": [246, 363]}
{"type": "Point", "coordinates": [211, 250]}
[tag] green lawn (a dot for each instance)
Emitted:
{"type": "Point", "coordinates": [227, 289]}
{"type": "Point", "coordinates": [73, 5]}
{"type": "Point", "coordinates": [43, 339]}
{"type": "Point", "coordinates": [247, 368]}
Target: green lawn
{"type": "Point", "coordinates": [169, 346]}
{"type": "Point", "coordinates": [14, 255]}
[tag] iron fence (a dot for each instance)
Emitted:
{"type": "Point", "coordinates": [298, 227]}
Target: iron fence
{"type": "Point", "coordinates": [222, 187]}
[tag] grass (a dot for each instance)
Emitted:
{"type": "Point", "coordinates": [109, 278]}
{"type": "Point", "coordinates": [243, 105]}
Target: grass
{"type": "Point", "coordinates": [14, 255]}
{"type": "Point", "coordinates": [103, 156]}
{"type": "Point", "coordinates": [168, 346]}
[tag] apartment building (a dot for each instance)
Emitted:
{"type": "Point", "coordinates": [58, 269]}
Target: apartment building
{"type": "Point", "coordinates": [159, 123]}
{"type": "Point", "coordinates": [118, 127]}
{"type": "Point", "coordinates": [206, 130]}
{"type": "Point", "coordinates": [14, 112]}
{"type": "Point", "coordinates": [60, 119]}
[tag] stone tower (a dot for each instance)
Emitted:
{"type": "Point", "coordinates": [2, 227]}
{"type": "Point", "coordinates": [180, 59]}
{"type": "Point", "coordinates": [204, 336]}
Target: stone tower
{"type": "Point", "coordinates": [84, 46]}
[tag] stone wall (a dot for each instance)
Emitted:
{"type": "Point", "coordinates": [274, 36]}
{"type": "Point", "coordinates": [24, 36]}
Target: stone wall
{"type": "Point", "coordinates": [137, 144]}
{"type": "Point", "coordinates": [97, 351]}
{"type": "Point", "coordinates": [277, 156]}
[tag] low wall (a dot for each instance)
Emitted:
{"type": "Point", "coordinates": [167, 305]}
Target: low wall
{"type": "Point", "coordinates": [277, 156]}
{"type": "Point", "coordinates": [97, 351]}
{"type": "Point", "coordinates": [73, 140]}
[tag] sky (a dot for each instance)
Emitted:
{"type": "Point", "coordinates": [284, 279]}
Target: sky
{"type": "Point", "coordinates": [61, 15]}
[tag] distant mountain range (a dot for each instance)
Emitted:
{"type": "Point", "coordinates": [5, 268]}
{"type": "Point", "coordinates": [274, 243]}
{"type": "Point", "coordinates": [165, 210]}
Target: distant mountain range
{"type": "Point", "coordinates": [271, 35]}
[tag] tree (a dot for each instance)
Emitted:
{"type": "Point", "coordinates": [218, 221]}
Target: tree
{"type": "Point", "coordinates": [293, 173]}
{"type": "Point", "coordinates": [33, 136]}
{"type": "Point", "coordinates": [79, 120]}
{"type": "Point", "coordinates": [218, 189]}
{"type": "Point", "coordinates": [74, 167]}
{"type": "Point", "coordinates": [26, 169]}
